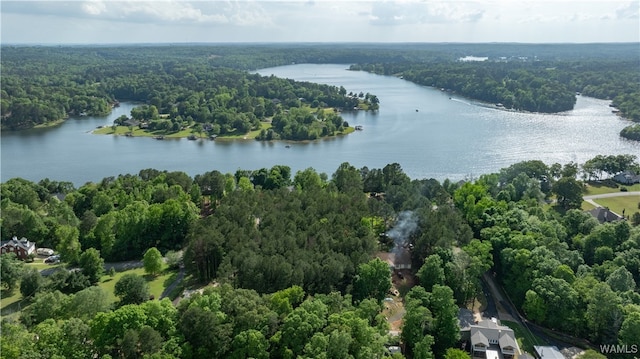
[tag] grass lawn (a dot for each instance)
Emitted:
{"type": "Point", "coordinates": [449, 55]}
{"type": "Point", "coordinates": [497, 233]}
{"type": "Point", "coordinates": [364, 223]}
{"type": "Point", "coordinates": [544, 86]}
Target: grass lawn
{"type": "Point", "coordinates": [607, 187]}
{"type": "Point", "coordinates": [617, 204]}
{"type": "Point", "coordinates": [526, 339]}
{"type": "Point", "coordinates": [251, 135]}
{"type": "Point", "coordinates": [586, 206]}
{"type": "Point", "coordinates": [156, 284]}
{"type": "Point", "coordinates": [10, 303]}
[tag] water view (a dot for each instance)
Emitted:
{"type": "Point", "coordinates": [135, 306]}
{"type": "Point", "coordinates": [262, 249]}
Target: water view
{"type": "Point", "coordinates": [431, 133]}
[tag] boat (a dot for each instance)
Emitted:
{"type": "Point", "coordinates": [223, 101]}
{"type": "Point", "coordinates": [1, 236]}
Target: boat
{"type": "Point", "coordinates": [287, 146]}
{"type": "Point", "coordinates": [359, 128]}
{"type": "Point", "coordinates": [416, 110]}
{"type": "Point", "coordinates": [191, 137]}
{"type": "Point", "coordinates": [159, 137]}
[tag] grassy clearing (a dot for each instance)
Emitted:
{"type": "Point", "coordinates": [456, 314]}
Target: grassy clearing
{"type": "Point", "coordinates": [50, 124]}
{"type": "Point", "coordinates": [627, 203]}
{"type": "Point", "coordinates": [593, 188]}
{"type": "Point", "coordinates": [10, 303]}
{"type": "Point", "coordinates": [526, 339]}
{"type": "Point", "coordinates": [156, 284]}
{"type": "Point", "coordinates": [251, 135]}
{"type": "Point", "coordinates": [586, 206]}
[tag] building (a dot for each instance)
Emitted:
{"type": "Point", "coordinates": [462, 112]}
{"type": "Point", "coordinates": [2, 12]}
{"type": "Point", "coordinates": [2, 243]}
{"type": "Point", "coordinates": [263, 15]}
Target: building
{"type": "Point", "coordinates": [627, 177]}
{"type": "Point", "coordinates": [544, 352]}
{"type": "Point", "coordinates": [604, 215]}
{"type": "Point", "coordinates": [488, 339]}
{"type": "Point", "coordinates": [22, 248]}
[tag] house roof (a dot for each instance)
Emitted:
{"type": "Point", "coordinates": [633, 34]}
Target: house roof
{"type": "Point", "coordinates": [545, 352]}
{"type": "Point", "coordinates": [604, 215]}
{"type": "Point", "coordinates": [506, 340]}
{"type": "Point", "coordinates": [478, 338]}
{"type": "Point", "coordinates": [21, 243]}
{"type": "Point", "coordinates": [489, 330]}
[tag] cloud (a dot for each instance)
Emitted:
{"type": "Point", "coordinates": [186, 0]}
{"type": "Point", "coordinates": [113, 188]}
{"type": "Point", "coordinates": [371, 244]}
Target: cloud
{"type": "Point", "coordinates": [423, 12]}
{"type": "Point", "coordinates": [241, 13]}
{"type": "Point", "coordinates": [630, 11]}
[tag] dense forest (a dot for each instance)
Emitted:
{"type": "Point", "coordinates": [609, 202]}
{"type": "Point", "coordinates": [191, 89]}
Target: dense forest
{"type": "Point", "coordinates": [176, 94]}
{"type": "Point", "coordinates": [293, 259]}
{"type": "Point", "coordinates": [195, 86]}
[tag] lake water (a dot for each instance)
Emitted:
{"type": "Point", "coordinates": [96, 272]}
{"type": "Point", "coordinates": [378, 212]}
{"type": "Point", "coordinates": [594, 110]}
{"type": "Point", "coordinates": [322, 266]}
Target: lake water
{"type": "Point", "coordinates": [428, 133]}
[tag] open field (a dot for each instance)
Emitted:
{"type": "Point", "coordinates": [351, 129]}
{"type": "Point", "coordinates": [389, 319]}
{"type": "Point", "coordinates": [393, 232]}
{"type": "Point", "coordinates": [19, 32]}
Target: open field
{"type": "Point", "coordinates": [156, 284]}
{"type": "Point", "coordinates": [593, 188]}
{"type": "Point", "coordinates": [628, 204]}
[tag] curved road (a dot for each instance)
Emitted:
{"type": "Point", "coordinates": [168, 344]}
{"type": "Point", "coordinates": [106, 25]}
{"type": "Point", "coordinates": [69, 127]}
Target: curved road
{"type": "Point", "coordinates": [590, 199]}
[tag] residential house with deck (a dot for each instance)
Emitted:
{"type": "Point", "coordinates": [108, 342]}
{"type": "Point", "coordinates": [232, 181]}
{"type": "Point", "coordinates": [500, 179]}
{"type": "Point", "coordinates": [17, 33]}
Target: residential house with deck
{"type": "Point", "coordinates": [488, 339]}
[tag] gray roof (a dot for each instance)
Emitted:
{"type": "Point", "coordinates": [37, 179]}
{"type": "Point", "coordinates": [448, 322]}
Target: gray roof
{"type": "Point", "coordinates": [604, 215]}
{"type": "Point", "coordinates": [479, 338]}
{"type": "Point", "coordinates": [507, 340]}
{"type": "Point", "coordinates": [546, 352]}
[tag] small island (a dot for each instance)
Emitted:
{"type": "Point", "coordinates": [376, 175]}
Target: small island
{"type": "Point", "coordinates": [295, 123]}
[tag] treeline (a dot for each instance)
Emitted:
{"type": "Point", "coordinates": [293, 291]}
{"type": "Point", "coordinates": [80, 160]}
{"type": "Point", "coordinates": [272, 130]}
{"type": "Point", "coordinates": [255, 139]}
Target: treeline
{"type": "Point", "coordinates": [528, 84]}
{"type": "Point", "coordinates": [41, 85]}
{"type": "Point", "coordinates": [273, 235]}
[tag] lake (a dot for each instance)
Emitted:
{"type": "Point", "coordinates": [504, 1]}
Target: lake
{"type": "Point", "coordinates": [430, 133]}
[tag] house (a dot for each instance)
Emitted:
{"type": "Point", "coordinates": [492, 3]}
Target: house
{"type": "Point", "coordinates": [627, 177]}
{"type": "Point", "coordinates": [604, 215]}
{"type": "Point", "coordinates": [545, 352]}
{"type": "Point", "coordinates": [22, 248]}
{"type": "Point", "coordinates": [488, 339]}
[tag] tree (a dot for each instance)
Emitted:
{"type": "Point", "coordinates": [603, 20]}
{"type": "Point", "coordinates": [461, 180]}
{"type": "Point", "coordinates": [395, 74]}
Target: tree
{"type": "Point", "coordinates": [422, 349]}
{"type": "Point", "coordinates": [445, 311]}
{"type": "Point", "coordinates": [10, 271]}
{"type": "Point", "coordinates": [372, 281]}
{"type": "Point", "coordinates": [31, 282]}
{"type": "Point", "coordinates": [86, 303]}
{"type": "Point", "coordinates": [630, 329]}
{"type": "Point", "coordinates": [68, 243]}
{"type": "Point", "coordinates": [568, 192]}
{"type": "Point", "coordinates": [453, 353]}
{"type": "Point", "coordinates": [621, 280]}
{"type": "Point", "coordinates": [431, 272]}
{"type": "Point", "coordinates": [152, 261]}
{"type": "Point", "coordinates": [92, 264]}
{"type": "Point", "coordinates": [250, 344]}
{"type": "Point", "coordinates": [603, 314]}
{"type": "Point", "coordinates": [132, 289]}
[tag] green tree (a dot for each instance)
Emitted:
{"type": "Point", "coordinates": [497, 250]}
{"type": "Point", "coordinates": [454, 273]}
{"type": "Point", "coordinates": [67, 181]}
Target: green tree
{"type": "Point", "coordinates": [152, 261]}
{"type": "Point", "coordinates": [372, 281]}
{"type": "Point", "coordinates": [453, 353]}
{"type": "Point", "coordinates": [31, 282]}
{"type": "Point", "coordinates": [630, 329]}
{"type": "Point", "coordinates": [568, 192]}
{"type": "Point", "coordinates": [68, 243]}
{"type": "Point", "coordinates": [603, 314]}
{"type": "Point", "coordinates": [10, 271]}
{"type": "Point", "coordinates": [621, 280]}
{"type": "Point", "coordinates": [132, 289]}
{"type": "Point", "coordinates": [445, 311]}
{"type": "Point", "coordinates": [431, 272]}
{"type": "Point", "coordinates": [250, 344]}
{"type": "Point", "coordinates": [422, 349]}
{"type": "Point", "coordinates": [534, 307]}
{"type": "Point", "coordinates": [92, 264]}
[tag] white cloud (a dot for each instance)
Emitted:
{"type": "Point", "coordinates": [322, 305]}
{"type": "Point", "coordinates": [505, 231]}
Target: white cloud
{"type": "Point", "coordinates": [629, 11]}
{"type": "Point", "coordinates": [424, 12]}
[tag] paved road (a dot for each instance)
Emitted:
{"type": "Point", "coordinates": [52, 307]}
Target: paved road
{"type": "Point", "coordinates": [590, 199]}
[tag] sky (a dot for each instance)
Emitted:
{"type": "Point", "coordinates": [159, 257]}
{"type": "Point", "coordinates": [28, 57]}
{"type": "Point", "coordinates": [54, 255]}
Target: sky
{"type": "Point", "coordinates": [178, 21]}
